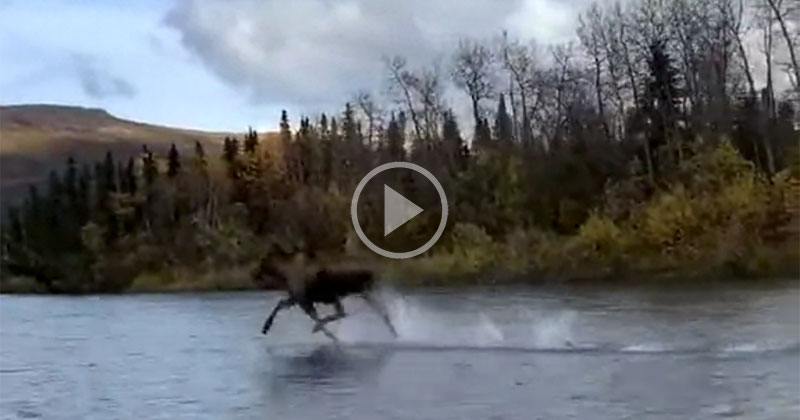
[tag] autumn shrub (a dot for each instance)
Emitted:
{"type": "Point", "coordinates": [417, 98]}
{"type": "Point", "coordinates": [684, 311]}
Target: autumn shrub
{"type": "Point", "coordinates": [667, 222]}
{"type": "Point", "coordinates": [472, 246]}
{"type": "Point", "coordinates": [600, 239]}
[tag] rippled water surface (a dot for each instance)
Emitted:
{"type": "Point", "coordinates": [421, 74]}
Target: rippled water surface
{"type": "Point", "coordinates": [511, 353]}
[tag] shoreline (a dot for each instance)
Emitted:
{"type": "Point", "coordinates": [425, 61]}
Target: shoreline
{"type": "Point", "coordinates": [410, 277]}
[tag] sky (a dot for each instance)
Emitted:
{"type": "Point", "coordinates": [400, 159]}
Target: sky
{"type": "Point", "coordinates": [230, 64]}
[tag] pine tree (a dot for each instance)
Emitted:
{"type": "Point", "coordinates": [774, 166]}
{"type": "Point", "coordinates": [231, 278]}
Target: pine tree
{"type": "Point", "coordinates": [15, 233]}
{"type": "Point", "coordinates": [33, 207]}
{"type": "Point", "coordinates": [285, 129]}
{"type": "Point", "coordinates": [71, 183]}
{"type": "Point", "coordinates": [304, 148]}
{"type": "Point", "coordinates": [455, 149]}
{"type": "Point", "coordinates": [149, 167]}
{"type": "Point", "coordinates": [395, 141]}
{"type": "Point", "coordinates": [323, 125]}
{"type": "Point", "coordinates": [109, 174]}
{"type": "Point", "coordinates": [200, 154]}
{"type": "Point", "coordinates": [130, 176]}
{"type": "Point", "coordinates": [55, 207]}
{"type": "Point", "coordinates": [483, 135]}
{"type": "Point", "coordinates": [333, 160]}
{"type": "Point", "coordinates": [100, 191]}
{"type": "Point", "coordinates": [230, 150]}
{"type": "Point", "coordinates": [123, 180]}
{"type": "Point", "coordinates": [250, 141]}
{"type": "Point", "coordinates": [173, 162]}
{"type": "Point", "coordinates": [84, 199]}
{"type": "Point", "coordinates": [502, 123]}
{"type": "Point", "coordinates": [326, 146]}
{"type": "Point", "coordinates": [660, 102]}
{"type": "Point", "coordinates": [351, 142]}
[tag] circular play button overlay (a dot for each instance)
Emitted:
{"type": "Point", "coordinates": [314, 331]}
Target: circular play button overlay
{"type": "Point", "coordinates": [398, 210]}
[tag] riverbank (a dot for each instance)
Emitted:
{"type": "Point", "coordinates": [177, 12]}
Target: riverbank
{"type": "Point", "coordinates": [500, 268]}
{"type": "Point", "coordinates": [715, 217]}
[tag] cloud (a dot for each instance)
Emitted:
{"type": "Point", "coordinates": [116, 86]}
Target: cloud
{"type": "Point", "coordinates": [97, 82]}
{"type": "Point", "coordinates": [318, 52]}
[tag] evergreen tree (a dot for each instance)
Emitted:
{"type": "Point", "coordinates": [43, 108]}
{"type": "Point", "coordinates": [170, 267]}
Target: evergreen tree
{"type": "Point", "coordinates": [71, 180]}
{"type": "Point", "coordinates": [395, 140]}
{"type": "Point", "coordinates": [15, 231]}
{"type": "Point", "coordinates": [483, 135]}
{"type": "Point", "coordinates": [130, 176]}
{"type": "Point", "coordinates": [660, 100]}
{"type": "Point", "coordinates": [149, 167]}
{"type": "Point", "coordinates": [123, 180]}
{"type": "Point", "coordinates": [109, 172]}
{"type": "Point", "coordinates": [305, 150]}
{"type": "Point", "coordinates": [326, 146]}
{"type": "Point", "coordinates": [173, 162]}
{"type": "Point", "coordinates": [285, 129]}
{"type": "Point", "coordinates": [101, 200]}
{"type": "Point", "coordinates": [455, 149]}
{"type": "Point", "coordinates": [55, 206]}
{"type": "Point", "coordinates": [351, 143]}
{"type": "Point", "coordinates": [200, 154]}
{"type": "Point", "coordinates": [84, 199]}
{"type": "Point", "coordinates": [230, 150]}
{"type": "Point", "coordinates": [250, 141]}
{"type": "Point", "coordinates": [323, 125]}
{"type": "Point", "coordinates": [33, 208]}
{"type": "Point", "coordinates": [502, 123]}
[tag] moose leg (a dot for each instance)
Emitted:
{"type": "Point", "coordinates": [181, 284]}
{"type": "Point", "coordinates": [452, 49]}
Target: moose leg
{"type": "Point", "coordinates": [283, 304]}
{"type": "Point", "coordinates": [380, 309]}
{"type": "Point", "coordinates": [339, 314]}
{"type": "Point", "coordinates": [311, 311]}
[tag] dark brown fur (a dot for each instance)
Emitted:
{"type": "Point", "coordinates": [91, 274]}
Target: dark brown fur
{"type": "Point", "coordinates": [322, 286]}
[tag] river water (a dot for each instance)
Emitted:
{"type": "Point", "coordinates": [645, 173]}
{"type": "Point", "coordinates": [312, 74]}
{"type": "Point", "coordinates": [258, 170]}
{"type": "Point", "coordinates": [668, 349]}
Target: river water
{"type": "Point", "coordinates": [507, 353]}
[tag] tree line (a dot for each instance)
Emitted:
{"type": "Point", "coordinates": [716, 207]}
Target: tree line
{"type": "Point", "coordinates": [658, 98]}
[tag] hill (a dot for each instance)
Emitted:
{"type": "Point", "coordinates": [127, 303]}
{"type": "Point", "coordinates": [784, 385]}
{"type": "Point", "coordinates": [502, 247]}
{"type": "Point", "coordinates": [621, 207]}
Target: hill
{"type": "Point", "coordinates": [35, 139]}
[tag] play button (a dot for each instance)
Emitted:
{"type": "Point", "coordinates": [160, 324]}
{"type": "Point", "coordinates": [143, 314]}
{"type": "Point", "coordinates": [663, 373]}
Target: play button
{"type": "Point", "coordinates": [398, 210]}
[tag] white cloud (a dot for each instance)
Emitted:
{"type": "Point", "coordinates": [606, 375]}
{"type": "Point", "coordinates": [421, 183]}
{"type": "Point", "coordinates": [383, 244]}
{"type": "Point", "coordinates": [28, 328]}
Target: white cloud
{"type": "Point", "coordinates": [318, 52]}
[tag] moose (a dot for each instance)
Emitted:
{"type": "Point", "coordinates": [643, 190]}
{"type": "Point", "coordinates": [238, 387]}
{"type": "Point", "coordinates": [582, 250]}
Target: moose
{"type": "Point", "coordinates": [325, 285]}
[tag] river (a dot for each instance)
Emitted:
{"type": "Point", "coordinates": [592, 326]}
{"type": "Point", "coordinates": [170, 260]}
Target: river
{"type": "Point", "coordinates": [476, 353]}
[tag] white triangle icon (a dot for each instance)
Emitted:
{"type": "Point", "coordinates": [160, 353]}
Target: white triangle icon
{"type": "Point", "coordinates": [397, 210]}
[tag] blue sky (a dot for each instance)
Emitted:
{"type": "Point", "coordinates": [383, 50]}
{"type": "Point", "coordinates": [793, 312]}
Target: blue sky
{"type": "Point", "coordinates": [46, 46]}
{"type": "Point", "coordinates": [224, 65]}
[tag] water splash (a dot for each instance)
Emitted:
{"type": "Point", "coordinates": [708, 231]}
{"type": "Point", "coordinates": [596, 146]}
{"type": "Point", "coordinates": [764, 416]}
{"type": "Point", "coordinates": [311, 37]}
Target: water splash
{"type": "Point", "coordinates": [646, 348]}
{"type": "Point", "coordinates": [552, 330]}
{"type": "Point", "coordinates": [423, 327]}
{"type": "Point", "coordinates": [488, 332]}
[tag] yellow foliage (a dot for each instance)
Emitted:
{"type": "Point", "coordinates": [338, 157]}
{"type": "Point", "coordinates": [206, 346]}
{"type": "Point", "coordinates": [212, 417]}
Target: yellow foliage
{"type": "Point", "coordinates": [601, 234]}
{"type": "Point", "coordinates": [473, 245]}
{"type": "Point", "coordinates": [742, 199]}
{"type": "Point", "coordinates": [668, 219]}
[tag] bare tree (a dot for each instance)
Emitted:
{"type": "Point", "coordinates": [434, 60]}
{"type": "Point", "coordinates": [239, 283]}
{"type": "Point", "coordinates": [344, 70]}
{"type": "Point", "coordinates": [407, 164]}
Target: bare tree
{"type": "Point", "coordinates": [768, 95]}
{"type": "Point", "coordinates": [371, 113]}
{"type": "Point", "coordinates": [518, 61]}
{"type": "Point", "coordinates": [630, 69]}
{"type": "Point", "coordinates": [401, 81]}
{"type": "Point", "coordinates": [736, 30]}
{"type": "Point", "coordinates": [590, 40]}
{"type": "Point", "coordinates": [781, 13]}
{"type": "Point", "coordinates": [427, 87]}
{"type": "Point", "coordinates": [472, 72]}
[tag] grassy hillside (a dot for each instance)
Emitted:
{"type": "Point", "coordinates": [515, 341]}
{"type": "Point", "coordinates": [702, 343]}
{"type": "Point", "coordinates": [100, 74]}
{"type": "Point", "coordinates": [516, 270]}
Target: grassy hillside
{"type": "Point", "coordinates": [35, 139]}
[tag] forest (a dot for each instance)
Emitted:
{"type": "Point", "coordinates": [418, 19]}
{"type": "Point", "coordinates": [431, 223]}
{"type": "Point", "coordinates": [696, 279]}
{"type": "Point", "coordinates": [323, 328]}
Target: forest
{"type": "Point", "coordinates": [652, 146]}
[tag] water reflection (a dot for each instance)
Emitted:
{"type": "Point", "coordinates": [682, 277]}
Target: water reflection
{"type": "Point", "coordinates": [326, 366]}
{"type": "Point", "coordinates": [465, 354]}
